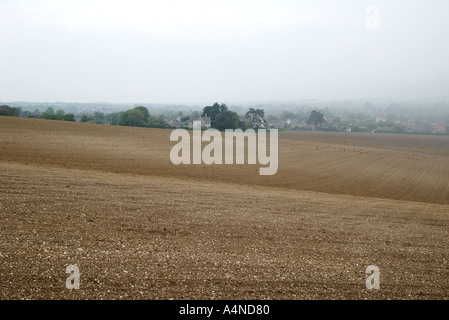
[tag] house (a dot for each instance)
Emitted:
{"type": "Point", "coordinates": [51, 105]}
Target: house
{"type": "Point", "coordinates": [277, 124]}
{"type": "Point", "coordinates": [438, 127]}
{"type": "Point", "coordinates": [300, 125]}
{"type": "Point", "coordinates": [206, 122]}
{"type": "Point", "coordinates": [177, 123]}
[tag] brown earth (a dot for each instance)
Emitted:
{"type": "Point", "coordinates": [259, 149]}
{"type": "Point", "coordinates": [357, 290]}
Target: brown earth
{"type": "Point", "coordinates": [109, 200]}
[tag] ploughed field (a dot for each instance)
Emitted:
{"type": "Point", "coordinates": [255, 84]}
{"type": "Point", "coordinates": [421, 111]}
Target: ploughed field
{"type": "Point", "coordinates": [109, 200]}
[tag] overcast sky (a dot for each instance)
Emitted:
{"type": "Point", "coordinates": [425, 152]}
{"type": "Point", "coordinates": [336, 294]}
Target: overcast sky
{"type": "Point", "coordinates": [194, 51]}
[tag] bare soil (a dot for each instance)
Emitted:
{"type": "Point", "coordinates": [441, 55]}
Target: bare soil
{"type": "Point", "coordinates": [108, 199]}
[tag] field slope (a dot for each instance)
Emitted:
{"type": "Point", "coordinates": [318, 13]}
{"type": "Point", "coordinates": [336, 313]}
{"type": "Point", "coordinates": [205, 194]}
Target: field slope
{"type": "Point", "coordinates": [108, 199]}
{"type": "Point", "coordinates": [401, 167]}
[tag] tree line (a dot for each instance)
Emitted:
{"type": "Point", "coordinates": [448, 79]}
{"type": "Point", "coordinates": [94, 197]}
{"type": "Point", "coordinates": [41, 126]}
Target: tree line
{"type": "Point", "coordinates": [140, 117]}
{"type": "Point", "coordinates": [222, 118]}
{"type": "Point", "coordinates": [49, 113]}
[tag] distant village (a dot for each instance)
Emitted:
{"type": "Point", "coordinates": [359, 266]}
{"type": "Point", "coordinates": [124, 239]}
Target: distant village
{"type": "Point", "coordinates": [378, 124]}
{"type": "Point", "coordinates": [392, 118]}
{"type": "Point", "coordinates": [187, 122]}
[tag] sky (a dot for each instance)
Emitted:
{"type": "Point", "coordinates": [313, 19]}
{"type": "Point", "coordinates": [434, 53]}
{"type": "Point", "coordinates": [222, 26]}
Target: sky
{"type": "Point", "coordinates": [202, 51]}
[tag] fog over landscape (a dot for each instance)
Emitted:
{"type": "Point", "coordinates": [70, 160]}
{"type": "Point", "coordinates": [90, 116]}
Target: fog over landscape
{"type": "Point", "coordinates": [198, 52]}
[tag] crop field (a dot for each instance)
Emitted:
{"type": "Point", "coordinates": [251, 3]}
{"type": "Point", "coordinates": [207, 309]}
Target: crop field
{"type": "Point", "coordinates": [109, 200]}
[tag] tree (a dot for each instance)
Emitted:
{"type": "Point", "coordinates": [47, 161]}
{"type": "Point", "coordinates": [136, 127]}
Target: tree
{"type": "Point", "coordinates": [9, 111]}
{"type": "Point", "coordinates": [244, 124]}
{"type": "Point", "coordinates": [25, 114]}
{"type": "Point", "coordinates": [136, 118]}
{"type": "Point", "coordinates": [49, 110]}
{"type": "Point", "coordinates": [158, 122]}
{"type": "Point", "coordinates": [140, 117]}
{"type": "Point", "coordinates": [69, 117]}
{"type": "Point", "coordinates": [316, 119]}
{"type": "Point", "coordinates": [227, 120]}
{"type": "Point", "coordinates": [256, 118]}
{"type": "Point", "coordinates": [196, 114]}
{"type": "Point", "coordinates": [113, 118]}
{"type": "Point", "coordinates": [85, 118]}
{"type": "Point", "coordinates": [288, 115]}
{"type": "Point", "coordinates": [213, 111]}
{"type": "Point", "coordinates": [145, 113]}
{"type": "Point", "coordinates": [99, 117]}
{"type": "Point", "coordinates": [36, 113]}
{"type": "Point", "coordinates": [123, 119]}
{"type": "Point", "coordinates": [49, 114]}
{"type": "Point", "coordinates": [132, 118]}
{"type": "Point", "coordinates": [60, 114]}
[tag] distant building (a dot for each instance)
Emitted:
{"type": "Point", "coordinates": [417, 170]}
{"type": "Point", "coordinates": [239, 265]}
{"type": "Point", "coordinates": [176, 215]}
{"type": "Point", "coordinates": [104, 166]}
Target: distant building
{"type": "Point", "coordinates": [177, 123]}
{"type": "Point", "coordinates": [300, 125]}
{"type": "Point", "coordinates": [277, 124]}
{"type": "Point", "coordinates": [413, 126]}
{"type": "Point", "coordinates": [384, 129]}
{"type": "Point", "coordinates": [438, 127]}
{"type": "Point", "coordinates": [295, 124]}
{"type": "Point", "coordinates": [205, 121]}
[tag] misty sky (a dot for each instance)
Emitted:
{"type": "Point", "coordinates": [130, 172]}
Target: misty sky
{"type": "Point", "coordinates": [191, 51]}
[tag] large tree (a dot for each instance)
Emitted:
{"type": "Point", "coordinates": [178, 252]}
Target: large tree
{"type": "Point", "coordinates": [140, 117]}
{"type": "Point", "coordinates": [213, 111]}
{"type": "Point", "coordinates": [113, 118]}
{"type": "Point", "coordinates": [256, 118]}
{"type": "Point", "coordinates": [156, 122]}
{"type": "Point", "coordinates": [145, 113]}
{"type": "Point", "coordinates": [59, 114]}
{"type": "Point", "coordinates": [316, 119]}
{"type": "Point", "coordinates": [50, 110]}
{"type": "Point", "coordinates": [227, 120]}
{"type": "Point", "coordinates": [132, 118]}
{"type": "Point", "coordinates": [49, 114]}
{"type": "Point", "coordinates": [99, 117]}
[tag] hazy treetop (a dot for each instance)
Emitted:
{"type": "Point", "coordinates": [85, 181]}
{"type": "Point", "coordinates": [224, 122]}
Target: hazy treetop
{"type": "Point", "coordinates": [204, 51]}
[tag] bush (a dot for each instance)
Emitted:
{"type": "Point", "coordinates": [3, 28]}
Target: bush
{"type": "Point", "coordinates": [69, 117]}
{"type": "Point", "coordinates": [140, 117]}
{"type": "Point", "coordinates": [49, 116]}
